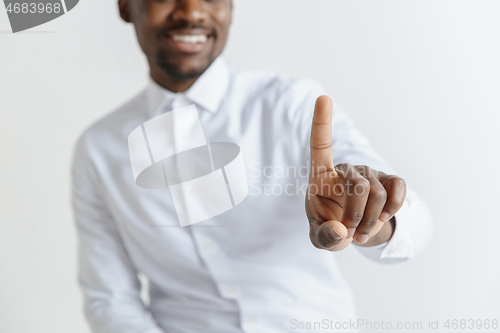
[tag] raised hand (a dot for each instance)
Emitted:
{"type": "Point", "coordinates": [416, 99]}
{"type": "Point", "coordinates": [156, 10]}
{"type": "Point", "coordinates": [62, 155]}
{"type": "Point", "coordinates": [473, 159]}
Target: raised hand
{"type": "Point", "coordinates": [346, 202]}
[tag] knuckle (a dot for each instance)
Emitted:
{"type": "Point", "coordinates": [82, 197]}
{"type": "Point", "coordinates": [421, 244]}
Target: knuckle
{"type": "Point", "coordinates": [400, 181]}
{"type": "Point", "coordinates": [395, 183]}
{"type": "Point", "coordinates": [362, 183]}
{"type": "Point", "coordinates": [355, 215]}
{"type": "Point", "coordinates": [396, 188]}
{"type": "Point", "coordinates": [364, 170]}
{"type": "Point", "coordinates": [379, 194]}
{"type": "Point", "coordinates": [369, 224]}
{"type": "Point", "coordinates": [321, 146]}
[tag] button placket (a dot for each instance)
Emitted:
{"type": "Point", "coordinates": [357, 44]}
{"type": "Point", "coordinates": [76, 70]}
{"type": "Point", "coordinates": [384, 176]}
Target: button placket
{"type": "Point", "coordinates": [216, 262]}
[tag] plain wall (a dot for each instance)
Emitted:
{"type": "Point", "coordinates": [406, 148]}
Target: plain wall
{"type": "Point", "coordinates": [420, 77]}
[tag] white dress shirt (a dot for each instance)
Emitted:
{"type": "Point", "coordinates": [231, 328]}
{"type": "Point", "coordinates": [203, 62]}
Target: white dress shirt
{"type": "Point", "coordinates": [250, 269]}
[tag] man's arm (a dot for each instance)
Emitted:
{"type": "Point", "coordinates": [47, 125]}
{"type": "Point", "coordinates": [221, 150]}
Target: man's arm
{"type": "Point", "coordinates": [107, 277]}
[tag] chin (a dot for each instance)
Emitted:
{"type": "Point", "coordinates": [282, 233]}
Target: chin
{"type": "Point", "coordinates": [184, 68]}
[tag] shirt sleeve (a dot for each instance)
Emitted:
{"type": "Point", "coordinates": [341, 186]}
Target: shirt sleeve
{"type": "Point", "coordinates": [413, 221]}
{"type": "Point", "coordinates": [107, 277]}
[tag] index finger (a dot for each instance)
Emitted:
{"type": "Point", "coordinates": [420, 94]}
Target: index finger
{"type": "Point", "coordinates": [321, 135]}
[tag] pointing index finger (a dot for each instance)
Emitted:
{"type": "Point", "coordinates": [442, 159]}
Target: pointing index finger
{"type": "Point", "coordinates": [321, 136]}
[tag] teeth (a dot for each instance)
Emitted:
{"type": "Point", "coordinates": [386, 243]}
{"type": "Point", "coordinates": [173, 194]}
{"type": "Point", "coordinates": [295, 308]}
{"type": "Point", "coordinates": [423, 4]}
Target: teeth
{"type": "Point", "coordinates": [190, 39]}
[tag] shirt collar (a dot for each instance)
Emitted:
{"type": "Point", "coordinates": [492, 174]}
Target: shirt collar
{"type": "Point", "coordinates": [207, 92]}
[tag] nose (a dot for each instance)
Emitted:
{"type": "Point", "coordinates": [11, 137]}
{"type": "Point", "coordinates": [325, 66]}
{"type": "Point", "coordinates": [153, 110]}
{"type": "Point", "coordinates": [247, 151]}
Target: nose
{"type": "Point", "coordinates": [189, 11]}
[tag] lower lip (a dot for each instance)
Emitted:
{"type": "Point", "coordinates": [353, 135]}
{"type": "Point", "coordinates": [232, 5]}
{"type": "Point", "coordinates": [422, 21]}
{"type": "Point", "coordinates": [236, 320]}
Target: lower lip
{"type": "Point", "coordinates": [188, 48]}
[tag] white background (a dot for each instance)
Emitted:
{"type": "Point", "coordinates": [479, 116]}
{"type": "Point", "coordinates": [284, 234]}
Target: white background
{"type": "Point", "coordinates": [421, 78]}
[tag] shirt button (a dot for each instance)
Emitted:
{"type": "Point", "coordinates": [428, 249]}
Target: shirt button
{"type": "Point", "coordinates": [229, 291]}
{"type": "Point", "coordinates": [208, 246]}
{"type": "Point", "coordinates": [179, 102]}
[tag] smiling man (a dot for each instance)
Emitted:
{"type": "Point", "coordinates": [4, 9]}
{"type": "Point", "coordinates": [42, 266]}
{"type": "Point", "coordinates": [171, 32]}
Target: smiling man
{"type": "Point", "coordinates": [268, 263]}
{"type": "Point", "coordinates": [180, 39]}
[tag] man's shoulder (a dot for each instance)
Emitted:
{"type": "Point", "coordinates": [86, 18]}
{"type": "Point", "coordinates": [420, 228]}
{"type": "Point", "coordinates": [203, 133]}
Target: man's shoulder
{"type": "Point", "coordinates": [114, 125]}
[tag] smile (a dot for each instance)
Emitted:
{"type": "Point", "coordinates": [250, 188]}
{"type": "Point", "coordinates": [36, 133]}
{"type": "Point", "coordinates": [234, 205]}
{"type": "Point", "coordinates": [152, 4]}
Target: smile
{"type": "Point", "coordinates": [189, 43]}
{"type": "Point", "coordinates": [190, 39]}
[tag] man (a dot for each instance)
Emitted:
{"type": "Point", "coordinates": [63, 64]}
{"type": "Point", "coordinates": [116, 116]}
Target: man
{"type": "Point", "coordinates": [252, 268]}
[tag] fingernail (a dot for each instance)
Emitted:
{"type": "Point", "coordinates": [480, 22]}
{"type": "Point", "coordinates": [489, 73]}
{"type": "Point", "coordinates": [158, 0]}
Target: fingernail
{"type": "Point", "coordinates": [350, 232]}
{"type": "Point", "coordinates": [384, 217]}
{"type": "Point", "coordinates": [336, 235]}
{"type": "Point", "coordinates": [361, 239]}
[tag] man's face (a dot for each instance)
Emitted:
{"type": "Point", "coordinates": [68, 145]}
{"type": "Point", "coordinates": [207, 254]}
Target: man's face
{"type": "Point", "coordinates": [180, 38]}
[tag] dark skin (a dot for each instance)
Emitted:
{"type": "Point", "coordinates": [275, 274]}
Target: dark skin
{"type": "Point", "coordinates": [156, 21]}
{"type": "Point", "coordinates": [344, 203]}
